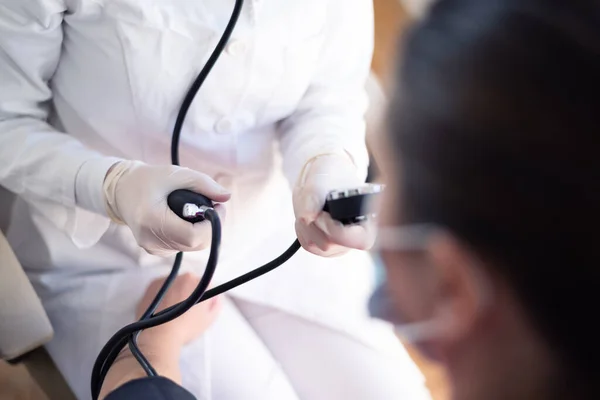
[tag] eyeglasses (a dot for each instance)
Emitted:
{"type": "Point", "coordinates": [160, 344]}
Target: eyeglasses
{"type": "Point", "coordinates": [404, 238]}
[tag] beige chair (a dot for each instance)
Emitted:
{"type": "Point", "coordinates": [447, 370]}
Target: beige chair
{"type": "Point", "coordinates": [25, 328]}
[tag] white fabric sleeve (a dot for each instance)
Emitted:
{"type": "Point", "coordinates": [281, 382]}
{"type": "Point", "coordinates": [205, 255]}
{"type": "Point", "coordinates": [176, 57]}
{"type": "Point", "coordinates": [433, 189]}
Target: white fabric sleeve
{"type": "Point", "coordinates": [330, 118]}
{"type": "Point", "coordinates": [37, 162]}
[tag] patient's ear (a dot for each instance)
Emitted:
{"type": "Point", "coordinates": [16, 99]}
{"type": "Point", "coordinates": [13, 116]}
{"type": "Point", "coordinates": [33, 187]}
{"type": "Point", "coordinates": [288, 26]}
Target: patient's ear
{"type": "Point", "coordinates": [463, 288]}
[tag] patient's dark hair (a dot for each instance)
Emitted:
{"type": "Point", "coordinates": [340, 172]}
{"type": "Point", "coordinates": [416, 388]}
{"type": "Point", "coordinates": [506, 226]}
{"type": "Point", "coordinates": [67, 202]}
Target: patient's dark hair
{"type": "Point", "coordinates": [496, 121]}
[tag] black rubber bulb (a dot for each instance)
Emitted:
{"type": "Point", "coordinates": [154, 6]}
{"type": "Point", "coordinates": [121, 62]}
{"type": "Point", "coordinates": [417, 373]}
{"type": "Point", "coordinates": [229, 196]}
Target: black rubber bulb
{"type": "Point", "coordinates": [179, 198]}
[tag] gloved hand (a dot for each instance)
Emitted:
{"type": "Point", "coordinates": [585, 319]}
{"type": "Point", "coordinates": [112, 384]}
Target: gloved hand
{"type": "Point", "coordinates": [317, 231]}
{"type": "Point", "coordinates": [136, 195]}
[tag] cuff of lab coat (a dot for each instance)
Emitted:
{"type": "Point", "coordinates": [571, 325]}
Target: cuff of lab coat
{"type": "Point", "coordinates": [89, 192]}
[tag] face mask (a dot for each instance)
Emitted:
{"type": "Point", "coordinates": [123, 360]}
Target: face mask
{"type": "Point", "coordinates": [381, 305]}
{"type": "Point", "coordinates": [418, 333]}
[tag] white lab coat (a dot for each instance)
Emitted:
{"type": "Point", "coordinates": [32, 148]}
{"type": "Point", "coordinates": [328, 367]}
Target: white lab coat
{"type": "Point", "coordinates": [86, 82]}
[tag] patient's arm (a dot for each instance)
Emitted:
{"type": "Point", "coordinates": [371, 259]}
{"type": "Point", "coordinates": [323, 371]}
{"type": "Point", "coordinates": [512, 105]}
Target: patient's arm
{"type": "Point", "coordinates": [165, 361]}
{"type": "Point", "coordinates": [162, 345]}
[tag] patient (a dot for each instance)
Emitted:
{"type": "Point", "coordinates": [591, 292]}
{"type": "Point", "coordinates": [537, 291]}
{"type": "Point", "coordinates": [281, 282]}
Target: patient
{"type": "Point", "coordinates": [490, 224]}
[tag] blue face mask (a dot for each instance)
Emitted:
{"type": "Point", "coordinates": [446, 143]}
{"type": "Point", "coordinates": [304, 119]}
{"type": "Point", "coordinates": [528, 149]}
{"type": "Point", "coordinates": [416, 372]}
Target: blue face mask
{"type": "Point", "coordinates": [380, 303]}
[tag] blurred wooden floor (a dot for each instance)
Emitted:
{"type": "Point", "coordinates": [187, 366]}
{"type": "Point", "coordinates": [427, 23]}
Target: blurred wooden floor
{"type": "Point", "coordinates": [15, 384]}
{"type": "Point", "coordinates": [390, 20]}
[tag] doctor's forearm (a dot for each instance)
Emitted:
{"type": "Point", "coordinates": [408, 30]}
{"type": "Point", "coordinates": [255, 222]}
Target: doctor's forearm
{"type": "Point", "coordinates": [38, 162]}
{"type": "Point", "coordinates": [330, 116]}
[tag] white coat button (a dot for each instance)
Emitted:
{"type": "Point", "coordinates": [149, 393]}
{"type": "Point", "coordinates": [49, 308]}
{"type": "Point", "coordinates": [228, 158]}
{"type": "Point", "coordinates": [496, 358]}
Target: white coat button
{"type": "Point", "coordinates": [236, 48]}
{"type": "Point", "coordinates": [224, 126]}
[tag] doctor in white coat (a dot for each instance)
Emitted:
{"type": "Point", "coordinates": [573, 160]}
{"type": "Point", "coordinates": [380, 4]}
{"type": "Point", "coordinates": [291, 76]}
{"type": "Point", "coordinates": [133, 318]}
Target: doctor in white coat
{"type": "Point", "coordinates": [89, 90]}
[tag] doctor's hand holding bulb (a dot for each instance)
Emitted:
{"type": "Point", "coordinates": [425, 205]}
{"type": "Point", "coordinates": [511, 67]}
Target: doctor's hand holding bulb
{"type": "Point", "coordinates": [136, 195]}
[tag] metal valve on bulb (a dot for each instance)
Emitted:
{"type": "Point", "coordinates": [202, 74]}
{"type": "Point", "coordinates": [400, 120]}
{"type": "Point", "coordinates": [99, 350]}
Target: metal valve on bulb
{"type": "Point", "coordinates": [191, 210]}
{"type": "Point", "coordinates": [189, 206]}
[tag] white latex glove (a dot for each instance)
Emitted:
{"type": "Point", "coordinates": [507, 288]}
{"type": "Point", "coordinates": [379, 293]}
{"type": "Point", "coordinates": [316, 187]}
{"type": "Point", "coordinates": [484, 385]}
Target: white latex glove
{"type": "Point", "coordinates": [136, 195]}
{"type": "Point", "coordinates": [317, 231]}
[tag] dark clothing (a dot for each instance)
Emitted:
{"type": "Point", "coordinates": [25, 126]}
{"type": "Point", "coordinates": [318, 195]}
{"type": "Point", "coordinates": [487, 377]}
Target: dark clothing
{"type": "Point", "coordinates": [154, 388]}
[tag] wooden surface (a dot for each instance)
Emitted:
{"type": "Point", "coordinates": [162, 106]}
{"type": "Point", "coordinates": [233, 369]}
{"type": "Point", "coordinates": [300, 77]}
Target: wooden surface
{"type": "Point", "coordinates": [390, 20]}
{"type": "Point", "coordinates": [16, 384]}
